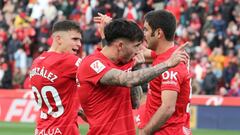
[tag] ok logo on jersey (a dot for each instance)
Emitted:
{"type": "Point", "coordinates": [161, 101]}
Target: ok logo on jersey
{"type": "Point", "coordinates": [169, 75]}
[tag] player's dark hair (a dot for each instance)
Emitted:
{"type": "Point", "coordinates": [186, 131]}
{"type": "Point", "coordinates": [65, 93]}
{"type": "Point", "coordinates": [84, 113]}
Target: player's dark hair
{"type": "Point", "coordinates": [164, 20]}
{"type": "Point", "coordinates": [120, 28]}
{"type": "Point", "coordinates": [66, 25]}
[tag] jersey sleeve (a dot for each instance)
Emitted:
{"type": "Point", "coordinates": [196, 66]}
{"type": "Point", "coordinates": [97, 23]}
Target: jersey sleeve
{"type": "Point", "coordinates": [173, 77]}
{"type": "Point", "coordinates": [91, 70]}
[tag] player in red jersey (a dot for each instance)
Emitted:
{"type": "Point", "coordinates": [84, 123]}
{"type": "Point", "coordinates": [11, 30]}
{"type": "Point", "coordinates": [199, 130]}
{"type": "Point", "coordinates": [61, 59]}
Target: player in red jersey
{"type": "Point", "coordinates": [168, 98]}
{"type": "Point", "coordinates": [105, 77]}
{"type": "Point", "coordinates": [53, 80]}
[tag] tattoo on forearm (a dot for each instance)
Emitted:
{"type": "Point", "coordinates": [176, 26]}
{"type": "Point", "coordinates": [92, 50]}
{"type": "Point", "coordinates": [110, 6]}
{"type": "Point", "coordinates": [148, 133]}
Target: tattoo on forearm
{"type": "Point", "coordinates": [136, 94]}
{"type": "Point", "coordinates": [135, 78]}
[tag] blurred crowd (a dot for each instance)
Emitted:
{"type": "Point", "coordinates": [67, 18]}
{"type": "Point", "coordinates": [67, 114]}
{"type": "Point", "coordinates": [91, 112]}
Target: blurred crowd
{"type": "Point", "coordinates": [211, 26]}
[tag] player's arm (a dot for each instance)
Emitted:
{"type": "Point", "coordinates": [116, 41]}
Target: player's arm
{"type": "Point", "coordinates": [82, 115]}
{"type": "Point", "coordinates": [163, 113]}
{"type": "Point", "coordinates": [149, 55]}
{"type": "Point", "coordinates": [136, 94]}
{"type": "Point", "coordinates": [135, 78]}
{"type": "Point", "coordinates": [101, 21]}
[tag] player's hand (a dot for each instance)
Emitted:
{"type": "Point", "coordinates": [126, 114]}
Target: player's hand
{"type": "Point", "coordinates": [139, 58]}
{"type": "Point", "coordinates": [179, 55]}
{"type": "Point", "coordinates": [147, 53]}
{"type": "Point", "coordinates": [102, 20]}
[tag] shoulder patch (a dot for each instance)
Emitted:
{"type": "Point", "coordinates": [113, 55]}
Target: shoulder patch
{"type": "Point", "coordinates": [97, 66]}
{"type": "Point", "coordinates": [78, 62]}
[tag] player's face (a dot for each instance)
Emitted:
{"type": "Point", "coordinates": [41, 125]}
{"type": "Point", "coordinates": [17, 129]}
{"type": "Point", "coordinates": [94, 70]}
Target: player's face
{"type": "Point", "coordinates": [129, 50]}
{"type": "Point", "coordinates": [150, 36]}
{"type": "Point", "coordinates": [71, 42]}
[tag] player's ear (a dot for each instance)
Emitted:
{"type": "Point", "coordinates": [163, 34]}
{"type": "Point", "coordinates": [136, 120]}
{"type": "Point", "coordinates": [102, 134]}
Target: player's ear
{"type": "Point", "coordinates": [159, 33]}
{"type": "Point", "coordinates": [120, 45]}
{"type": "Point", "coordinates": [58, 38]}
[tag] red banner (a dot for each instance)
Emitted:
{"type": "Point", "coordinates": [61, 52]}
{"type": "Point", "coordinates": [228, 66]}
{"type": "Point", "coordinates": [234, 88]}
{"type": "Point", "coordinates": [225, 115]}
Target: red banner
{"type": "Point", "coordinates": [20, 106]}
{"type": "Point", "coordinates": [215, 100]}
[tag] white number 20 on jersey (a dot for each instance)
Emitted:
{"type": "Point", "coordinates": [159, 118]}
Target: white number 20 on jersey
{"type": "Point", "coordinates": [43, 96]}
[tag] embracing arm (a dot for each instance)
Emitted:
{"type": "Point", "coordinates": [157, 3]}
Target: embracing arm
{"type": "Point", "coordinates": [135, 78]}
{"type": "Point", "coordinates": [130, 79]}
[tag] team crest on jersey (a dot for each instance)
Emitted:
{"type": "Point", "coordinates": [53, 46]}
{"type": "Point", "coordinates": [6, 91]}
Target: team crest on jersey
{"type": "Point", "coordinates": [97, 66]}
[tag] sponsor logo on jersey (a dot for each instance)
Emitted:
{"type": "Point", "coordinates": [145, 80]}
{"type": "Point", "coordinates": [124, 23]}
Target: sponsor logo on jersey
{"type": "Point", "coordinates": [51, 131]}
{"type": "Point", "coordinates": [97, 66]}
{"type": "Point", "coordinates": [169, 77]}
{"type": "Point", "coordinates": [186, 131]}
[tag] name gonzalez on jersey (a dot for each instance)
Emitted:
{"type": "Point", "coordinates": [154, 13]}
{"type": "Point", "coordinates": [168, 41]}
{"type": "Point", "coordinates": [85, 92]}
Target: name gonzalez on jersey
{"type": "Point", "coordinates": [44, 73]}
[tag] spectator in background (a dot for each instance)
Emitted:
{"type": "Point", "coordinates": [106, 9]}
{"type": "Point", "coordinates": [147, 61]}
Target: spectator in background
{"type": "Point", "coordinates": [118, 7]}
{"type": "Point", "coordinates": [50, 12]}
{"type": "Point", "coordinates": [217, 59]}
{"type": "Point", "coordinates": [229, 72]}
{"type": "Point", "coordinates": [90, 38]}
{"type": "Point", "coordinates": [220, 25]}
{"type": "Point", "coordinates": [36, 10]}
{"type": "Point", "coordinates": [6, 81]}
{"type": "Point", "coordinates": [3, 23]}
{"type": "Point", "coordinates": [18, 79]}
{"type": "Point", "coordinates": [234, 86]}
{"type": "Point", "coordinates": [210, 81]}
{"type": "Point", "coordinates": [226, 10]}
{"type": "Point", "coordinates": [21, 61]}
{"type": "Point", "coordinates": [130, 11]}
{"type": "Point", "coordinates": [12, 46]}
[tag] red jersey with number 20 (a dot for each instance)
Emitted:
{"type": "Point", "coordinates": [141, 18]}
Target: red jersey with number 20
{"type": "Point", "coordinates": [175, 79]}
{"type": "Point", "coordinates": [108, 108]}
{"type": "Point", "coordinates": [53, 80]}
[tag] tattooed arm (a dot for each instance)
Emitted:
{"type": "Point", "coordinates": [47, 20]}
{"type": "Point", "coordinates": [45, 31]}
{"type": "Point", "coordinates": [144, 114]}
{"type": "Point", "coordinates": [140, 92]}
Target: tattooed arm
{"type": "Point", "coordinates": [132, 79]}
{"type": "Point", "coordinates": [136, 94]}
{"type": "Point", "coordinates": [135, 78]}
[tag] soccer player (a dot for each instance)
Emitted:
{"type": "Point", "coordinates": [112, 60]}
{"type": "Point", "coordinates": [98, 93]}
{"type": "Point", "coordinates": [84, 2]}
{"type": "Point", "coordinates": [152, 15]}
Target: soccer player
{"type": "Point", "coordinates": [105, 77]}
{"type": "Point", "coordinates": [53, 80]}
{"type": "Point", "coordinates": [168, 98]}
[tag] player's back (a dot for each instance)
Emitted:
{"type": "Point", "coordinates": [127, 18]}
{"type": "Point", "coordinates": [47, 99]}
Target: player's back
{"type": "Point", "coordinates": [53, 79]}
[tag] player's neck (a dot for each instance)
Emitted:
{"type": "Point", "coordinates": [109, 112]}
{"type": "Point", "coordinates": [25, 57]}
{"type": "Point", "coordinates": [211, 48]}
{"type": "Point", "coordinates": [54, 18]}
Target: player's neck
{"type": "Point", "coordinates": [54, 48]}
{"type": "Point", "coordinates": [110, 54]}
{"type": "Point", "coordinates": [163, 46]}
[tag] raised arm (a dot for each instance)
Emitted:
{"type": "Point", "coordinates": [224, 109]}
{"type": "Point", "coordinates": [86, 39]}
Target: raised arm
{"type": "Point", "coordinates": [102, 20]}
{"type": "Point", "coordinates": [131, 79]}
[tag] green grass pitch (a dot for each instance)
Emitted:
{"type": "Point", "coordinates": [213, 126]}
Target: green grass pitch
{"type": "Point", "coordinates": [9, 128]}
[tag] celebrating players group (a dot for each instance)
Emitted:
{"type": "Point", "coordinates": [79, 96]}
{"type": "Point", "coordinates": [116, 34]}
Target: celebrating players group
{"type": "Point", "coordinates": [104, 83]}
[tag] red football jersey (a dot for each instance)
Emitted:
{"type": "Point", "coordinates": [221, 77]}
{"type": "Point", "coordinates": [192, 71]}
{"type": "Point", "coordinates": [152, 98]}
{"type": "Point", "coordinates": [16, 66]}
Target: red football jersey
{"type": "Point", "coordinates": [108, 108]}
{"type": "Point", "coordinates": [175, 79]}
{"type": "Point", "coordinates": [53, 80]}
